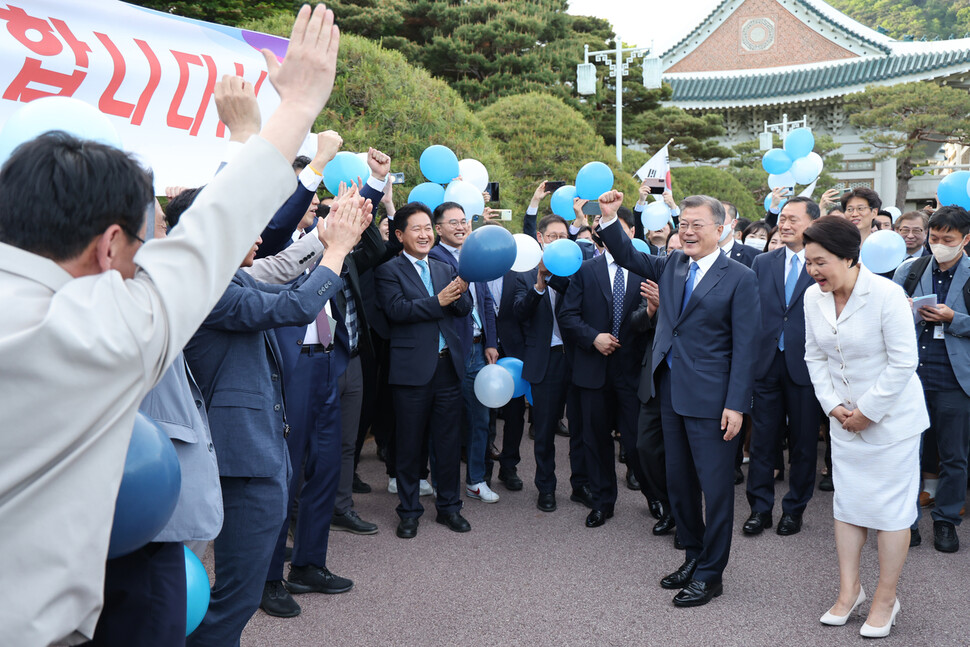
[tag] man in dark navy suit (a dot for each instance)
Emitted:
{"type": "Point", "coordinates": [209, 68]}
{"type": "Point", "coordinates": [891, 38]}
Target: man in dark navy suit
{"type": "Point", "coordinates": [423, 299]}
{"type": "Point", "coordinates": [704, 367]}
{"type": "Point", "coordinates": [595, 318]}
{"type": "Point", "coordinates": [477, 334]}
{"type": "Point", "coordinates": [783, 389]}
{"type": "Point", "coordinates": [729, 245]}
{"type": "Point", "coordinates": [537, 304]}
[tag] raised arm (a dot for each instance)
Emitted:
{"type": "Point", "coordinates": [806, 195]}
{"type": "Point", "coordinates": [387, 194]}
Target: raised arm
{"type": "Point", "coordinates": [619, 244]}
{"type": "Point", "coordinates": [288, 264]}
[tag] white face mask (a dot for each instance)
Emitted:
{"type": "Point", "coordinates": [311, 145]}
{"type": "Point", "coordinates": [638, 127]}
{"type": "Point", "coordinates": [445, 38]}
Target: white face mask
{"type": "Point", "coordinates": [758, 243]}
{"type": "Point", "coordinates": [728, 231]}
{"type": "Point", "coordinates": [945, 253]}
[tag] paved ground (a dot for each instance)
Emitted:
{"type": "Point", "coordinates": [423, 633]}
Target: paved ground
{"type": "Point", "coordinates": [523, 577]}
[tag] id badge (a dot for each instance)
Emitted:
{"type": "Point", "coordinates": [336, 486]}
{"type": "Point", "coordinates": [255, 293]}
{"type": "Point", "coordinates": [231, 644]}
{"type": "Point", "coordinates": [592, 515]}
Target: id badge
{"type": "Point", "coordinates": [937, 332]}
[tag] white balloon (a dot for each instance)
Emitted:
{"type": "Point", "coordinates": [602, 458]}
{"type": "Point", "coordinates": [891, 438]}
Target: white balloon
{"type": "Point", "coordinates": [473, 171]}
{"type": "Point", "coordinates": [655, 215]}
{"type": "Point", "coordinates": [465, 194]}
{"type": "Point", "coordinates": [494, 386]}
{"type": "Point", "coordinates": [784, 180]}
{"type": "Point", "coordinates": [806, 169]}
{"type": "Point", "coordinates": [528, 253]}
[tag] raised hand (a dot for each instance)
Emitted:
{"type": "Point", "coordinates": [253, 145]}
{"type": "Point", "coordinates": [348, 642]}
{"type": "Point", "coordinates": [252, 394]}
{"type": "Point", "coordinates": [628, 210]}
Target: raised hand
{"type": "Point", "coordinates": [345, 222]}
{"type": "Point", "coordinates": [651, 292]}
{"type": "Point", "coordinates": [610, 203]}
{"type": "Point", "coordinates": [328, 145]}
{"type": "Point", "coordinates": [379, 163]}
{"type": "Point", "coordinates": [539, 194]}
{"type": "Point", "coordinates": [237, 107]}
{"type": "Point", "coordinates": [829, 199]}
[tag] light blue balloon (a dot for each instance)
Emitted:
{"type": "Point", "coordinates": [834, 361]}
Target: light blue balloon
{"type": "Point", "coordinates": [776, 161]}
{"type": "Point", "coordinates": [514, 366]}
{"type": "Point", "coordinates": [562, 201]}
{"type": "Point", "coordinates": [593, 180]}
{"type": "Point", "coordinates": [768, 203]}
{"type": "Point", "coordinates": [562, 257]}
{"type": "Point", "coordinates": [197, 591]}
{"type": "Point", "coordinates": [344, 167]}
{"type": "Point", "coordinates": [953, 190]}
{"type": "Point", "coordinates": [799, 143]}
{"type": "Point", "coordinates": [655, 215]}
{"type": "Point", "coordinates": [641, 245]}
{"type": "Point", "coordinates": [439, 164]}
{"type": "Point", "coordinates": [71, 115]}
{"type": "Point", "coordinates": [494, 386]}
{"type": "Point", "coordinates": [429, 194]}
{"type": "Point", "coordinates": [883, 251]}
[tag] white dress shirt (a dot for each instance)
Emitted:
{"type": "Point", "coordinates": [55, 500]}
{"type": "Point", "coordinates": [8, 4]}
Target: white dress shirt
{"type": "Point", "coordinates": [789, 254]}
{"type": "Point", "coordinates": [456, 252]}
{"type": "Point", "coordinates": [728, 246]}
{"type": "Point", "coordinates": [78, 356]}
{"type": "Point", "coordinates": [612, 267]}
{"type": "Point", "coordinates": [703, 265]}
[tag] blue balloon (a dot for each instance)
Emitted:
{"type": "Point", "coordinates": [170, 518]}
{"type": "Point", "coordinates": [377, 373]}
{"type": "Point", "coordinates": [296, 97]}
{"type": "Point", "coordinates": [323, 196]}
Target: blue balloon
{"type": "Point", "coordinates": [439, 164]}
{"type": "Point", "coordinates": [562, 201]}
{"type": "Point", "coordinates": [528, 393]}
{"type": "Point", "coordinates": [514, 366]}
{"type": "Point", "coordinates": [953, 190]}
{"type": "Point", "coordinates": [799, 143]}
{"type": "Point", "coordinates": [345, 167]}
{"type": "Point", "coordinates": [768, 203]}
{"type": "Point", "coordinates": [883, 251]}
{"type": "Point", "coordinates": [429, 194]}
{"type": "Point", "coordinates": [149, 488]}
{"type": "Point", "coordinates": [592, 181]}
{"type": "Point", "coordinates": [776, 161]}
{"type": "Point", "coordinates": [562, 257]}
{"type": "Point", "coordinates": [488, 253]}
{"type": "Point", "coordinates": [641, 245]}
{"type": "Point", "coordinates": [196, 590]}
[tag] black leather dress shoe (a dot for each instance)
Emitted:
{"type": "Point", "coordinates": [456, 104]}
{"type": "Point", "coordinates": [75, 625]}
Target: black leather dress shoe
{"type": "Point", "coordinates": [656, 508]}
{"type": "Point", "coordinates": [408, 528]}
{"type": "Point", "coordinates": [631, 481]}
{"type": "Point", "coordinates": [561, 429]}
{"type": "Point", "coordinates": [454, 521]}
{"type": "Point", "coordinates": [622, 456]}
{"type": "Point", "coordinates": [677, 543]}
{"type": "Point", "coordinates": [315, 579]}
{"type": "Point", "coordinates": [697, 594]}
{"type": "Point", "coordinates": [789, 524]}
{"type": "Point", "coordinates": [359, 487]}
{"type": "Point", "coordinates": [350, 521]}
{"type": "Point", "coordinates": [382, 454]}
{"type": "Point", "coordinates": [510, 480]}
{"type": "Point", "coordinates": [681, 577]}
{"type": "Point", "coordinates": [915, 539]}
{"type": "Point", "coordinates": [583, 495]}
{"type": "Point", "coordinates": [665, 525]}
{"type": "Point", "coordinates": [546, 501]}
{"type": "Point", "coordinates": [277, 601]}
{"type": "Point", "coordinates": [738, 476]}
{"type": "Point", "coordinates": [756, 523]}
{"type": "Point", "coordinates": [945, 537]}
{"type": "Point", "coordinates": [597, 518]}
{"type": "Point", "coordinates": [825, 484]}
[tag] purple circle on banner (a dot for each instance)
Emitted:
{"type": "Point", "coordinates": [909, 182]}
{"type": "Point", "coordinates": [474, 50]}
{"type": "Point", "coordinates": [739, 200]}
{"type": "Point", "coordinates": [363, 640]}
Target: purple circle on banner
{"type": "Point", "coordinates": [274, 44]}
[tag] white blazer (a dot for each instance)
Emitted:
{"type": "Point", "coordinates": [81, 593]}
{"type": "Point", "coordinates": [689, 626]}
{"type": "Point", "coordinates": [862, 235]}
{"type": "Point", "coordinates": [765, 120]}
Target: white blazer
{"type": "Point", "coordinates": [866, 359]}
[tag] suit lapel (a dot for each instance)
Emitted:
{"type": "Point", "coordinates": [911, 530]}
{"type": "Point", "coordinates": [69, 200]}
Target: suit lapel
{"type": "Point", "coordinates": [680, 278]}
{"type": "Point", "coordinates": [602, 273]}
{"type": "Point", "coordinates": [411, 273]}
{"type": "Point", "coordinates": [778, 273]}
{"type": "Point", "coordinates": [710, 279]}
{"type": "Point", "coordinates": [926, 280]}
{"type": "Point", "coordinates": [960, 277]}
{"type": "Point", "coordinates": [859, 296]}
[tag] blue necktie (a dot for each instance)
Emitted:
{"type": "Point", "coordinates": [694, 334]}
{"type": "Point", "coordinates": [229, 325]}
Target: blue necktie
{"type": "Point", "coordinates": [426, 279]}
{"type": "Point", "coordinates": [688, 290]}
{"type": "Point", "coordinates": [619, 288]}
{"type": "Point", "coordinates": [789, 290]}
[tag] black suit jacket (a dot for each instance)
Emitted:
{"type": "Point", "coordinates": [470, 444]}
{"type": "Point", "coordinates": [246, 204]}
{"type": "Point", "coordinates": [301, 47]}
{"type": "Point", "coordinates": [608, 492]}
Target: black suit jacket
{"type": "Point", "coordinates": [743, 254]}
{"type": "Point", "coordinates": [507, 326]}
{"type": "Point", "coordinates": [416, 320]}
{"type": "Point", "coordinates": [534, 313]}
{"type": "Point", "coordinates": [587, 311]}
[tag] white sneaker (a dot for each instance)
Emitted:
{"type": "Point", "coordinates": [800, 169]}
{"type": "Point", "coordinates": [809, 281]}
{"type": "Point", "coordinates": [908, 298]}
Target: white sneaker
{"type": "Point", "coordinates": [392, 485]}
{"type": "Point", "coordinates": [425, 489]}
{"type": "Point", "coordinates": [482, 492]}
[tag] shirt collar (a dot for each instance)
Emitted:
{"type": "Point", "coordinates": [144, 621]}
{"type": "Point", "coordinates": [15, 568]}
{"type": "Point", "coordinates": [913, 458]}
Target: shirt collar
{"type": "Point", "coordinates": [33, 266]}
{"type": "Point", "coordinates": [454, 250]}
{"type": "Point", "coordinates": [609, 258]}
{"type": "Point", "coordinates": [705, 263]}
{"type": "Point", "coordinates": [729, 245]}
{"type": "Point", "coordinates": [414, 260]}
{"type": "Point", "coordinates": [789, 253]}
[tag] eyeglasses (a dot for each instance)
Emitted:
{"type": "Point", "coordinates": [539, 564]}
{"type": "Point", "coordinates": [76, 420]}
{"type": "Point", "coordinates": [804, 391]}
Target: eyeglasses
{"type": "Point", "coordinates": [553, 237]}
{"type": "Point", "coordinates": [453, 223]}
{"type": "Point", "coordinates": [906, 231]}
{"type": "Point", "coordinates": [696, 226]}
{"type": "Point", "coordinates": [132, 234]}
{"type": "Point", "coordinates": [859, 210]}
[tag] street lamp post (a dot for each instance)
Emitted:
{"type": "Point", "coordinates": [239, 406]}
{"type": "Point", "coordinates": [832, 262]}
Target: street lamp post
{"type": "Point", "coordinates": [619, 67]}
{"type": "Point", "coordinates": [766, 141]}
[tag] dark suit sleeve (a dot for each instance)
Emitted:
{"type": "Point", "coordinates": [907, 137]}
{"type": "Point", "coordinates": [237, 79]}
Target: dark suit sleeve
{"type": "Point", "coordinates": [278, 233]}
{"type": "Point", "coordinates": [529, 224]}
{"type": "Point", "coordinates": [526, 298]}
{"type": "Point", "coordinates": [745, 308]}
{"type": "Point", "coordinates": [640, 319]}
{"type": "Point", "coordinates": [771, 219]}
{"type": "Point", "coordinates": [247, 309]}
{"type": "Point", "coordinates": [571, 314]}
{"type": "Point", "coordinates": [627, 256]}
{"type": "Point", "coordinates": [491, 332]}
{"type": "Point", "coordinates": [399, 308]}
{"type": "Point", "coordinates": [462, 307]}
{"type": "Point", "coordinates": [370, 250]}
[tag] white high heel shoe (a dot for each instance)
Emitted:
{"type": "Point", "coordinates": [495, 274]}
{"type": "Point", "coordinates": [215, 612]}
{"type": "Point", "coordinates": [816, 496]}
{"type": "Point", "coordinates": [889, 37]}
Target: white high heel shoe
{"type": "Point", "coordinates": [868, 631]}
{"type": "Point", "coordinates": [829, 618]}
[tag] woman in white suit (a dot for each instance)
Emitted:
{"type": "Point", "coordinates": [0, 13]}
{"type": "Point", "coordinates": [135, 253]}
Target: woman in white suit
{"type": "Point", "coordinates": [860, 347]}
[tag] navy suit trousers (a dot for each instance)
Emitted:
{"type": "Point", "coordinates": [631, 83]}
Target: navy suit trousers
{"type": "Point", "coordinates": [650, 451]}
{"type": "Point", "coordinates": [549, 397]}
{"type": "Point", "coordinates": [699, 462]}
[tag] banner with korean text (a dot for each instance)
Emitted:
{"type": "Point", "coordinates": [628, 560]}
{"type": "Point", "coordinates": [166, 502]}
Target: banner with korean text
{"type": "Point", "coordinates": [151, 73]}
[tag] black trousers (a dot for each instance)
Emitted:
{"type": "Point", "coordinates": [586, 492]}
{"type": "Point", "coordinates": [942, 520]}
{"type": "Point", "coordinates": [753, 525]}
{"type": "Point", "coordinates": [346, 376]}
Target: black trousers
{"type": "Point", "coordinates": [548, 397]}
{"type": "Point", "coordinates": [514, 419]}
{"type": "Point", "coordinates": [777, 398]}
{"type": "Point", "coordinates": [650, 451]}
{"type": "Point", "coordinates": [144, 598]}
{"type": "Point", "coordinates": [429, 412]}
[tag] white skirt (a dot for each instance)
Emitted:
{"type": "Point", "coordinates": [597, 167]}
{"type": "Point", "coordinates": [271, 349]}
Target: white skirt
{"type": "Point", "coordinates": [876, 486]}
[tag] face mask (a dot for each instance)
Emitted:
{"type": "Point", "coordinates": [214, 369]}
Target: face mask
{"type": "Point", "coordinates": [945, 253]}
{"type": "Point", "coordinates": [758, 243]}
{"type": "Point", "coordinates": [728, 231]}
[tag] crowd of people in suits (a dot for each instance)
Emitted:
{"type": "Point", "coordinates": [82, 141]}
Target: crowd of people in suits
{"type": "Point", "coordinates": [726, 343]}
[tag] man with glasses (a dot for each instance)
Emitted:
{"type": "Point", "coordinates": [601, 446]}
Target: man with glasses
{"type": "Point", "coordinates": [912, 227]}
{"type": "Point", "coordinates": [860, 206]}
{"type": "Point", "coordinates": [703, 365]}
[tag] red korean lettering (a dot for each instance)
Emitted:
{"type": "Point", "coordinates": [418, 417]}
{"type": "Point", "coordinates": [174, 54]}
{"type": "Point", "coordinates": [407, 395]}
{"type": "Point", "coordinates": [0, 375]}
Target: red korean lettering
{"type": "Point", "coordinates": [33, 72]}
{"type": "Point", "coordinates": [80, 48]}
{"type": "Point", "coordinates": [108, 104]}
{"type": "Point", "coordinates": [21, 26]}
{"type": "Point", "coordinates": [154, 77]}
{"type": "Point", "coordinates": [210, 86]}
{"type": "Point", "coordinates": [174, 119]}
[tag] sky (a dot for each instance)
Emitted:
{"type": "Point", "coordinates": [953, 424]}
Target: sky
{"type": "Point", "coordinates": [638, 22]}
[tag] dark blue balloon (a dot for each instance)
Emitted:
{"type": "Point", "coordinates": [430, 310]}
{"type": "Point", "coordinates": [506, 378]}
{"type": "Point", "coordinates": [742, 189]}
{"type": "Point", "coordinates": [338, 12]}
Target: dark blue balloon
{"type": "Point", "coordinates": [487, 254]}
{"type": "Point", "coordinates": [149, 488]}
{"type": "Point", "coordinates": [514, 366]}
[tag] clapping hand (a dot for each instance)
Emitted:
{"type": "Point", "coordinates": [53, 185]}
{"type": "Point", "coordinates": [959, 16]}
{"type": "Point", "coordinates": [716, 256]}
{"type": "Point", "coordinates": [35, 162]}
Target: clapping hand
{"type": "Point", "coordinates": [350, 214]}
{"type": "Point", "coordinates": [237, 107]}
{"type": "Point", "coordinates": [651, 292]}
{"type": "Point", "coordinates": [451, 292]}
